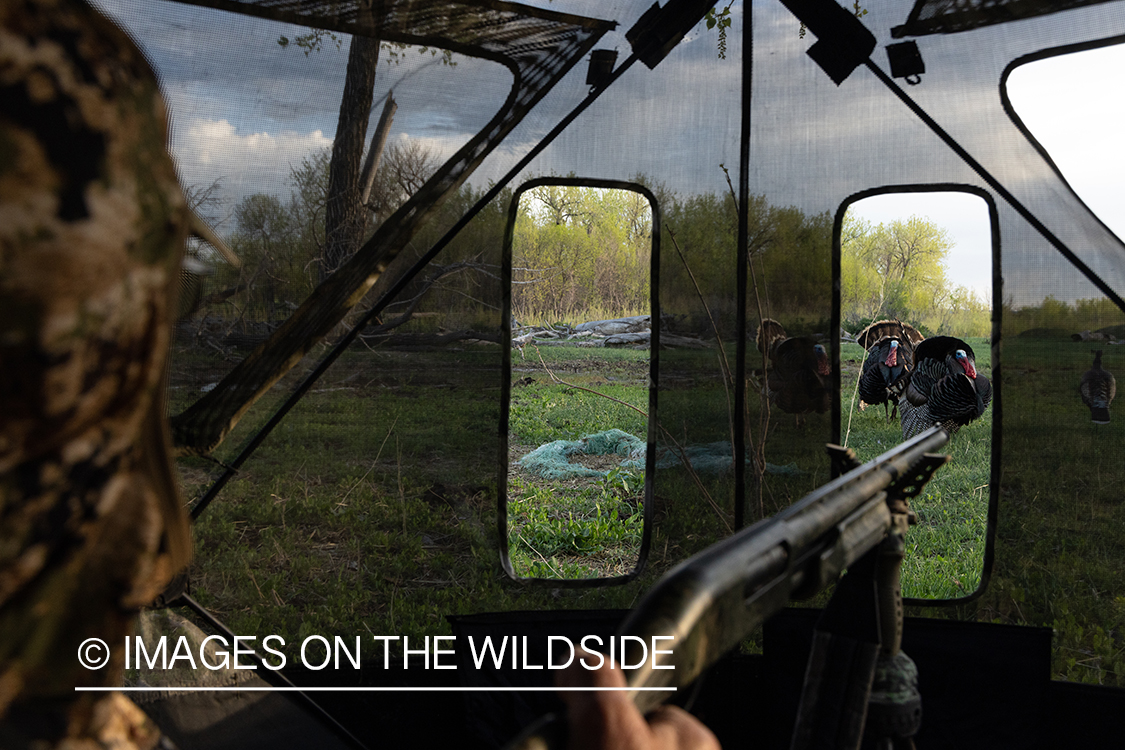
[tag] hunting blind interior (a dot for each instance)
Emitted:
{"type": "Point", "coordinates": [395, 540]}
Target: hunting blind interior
{"type": "Point", "coordinates": [393, 362]}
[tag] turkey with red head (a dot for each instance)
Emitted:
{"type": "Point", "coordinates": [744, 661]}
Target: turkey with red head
{"type": "Point", "coordinates": [798, 380]}
{"type": "Point", "coordinates": [890, 357]}
{"type": "Point", "coordinates": [944, 387]}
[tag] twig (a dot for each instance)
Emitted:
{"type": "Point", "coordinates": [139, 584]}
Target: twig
{"type": "Point", "coordinates": [401, 490]}
{"type": "Point", "coordinates": [851, 406]}
{"type": "Point", "coordinates": [377, 454]}
{"type": "Point", "coordinates": [412, 303]}
{"type": "Point", "coordinates": [695, 477]}
{"type": "Point", "coordinates": [759, 451]}
{"type": "Point", "coordinates": [255, 582]}
{"type": "Point", "coordinates": [725, 364]}
{"type": "Point", "coordinates": [540, 554]}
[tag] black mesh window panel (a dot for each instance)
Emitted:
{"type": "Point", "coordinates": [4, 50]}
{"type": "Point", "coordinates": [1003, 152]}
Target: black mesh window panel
{"type": "Point", "coordinates": [337, 399]}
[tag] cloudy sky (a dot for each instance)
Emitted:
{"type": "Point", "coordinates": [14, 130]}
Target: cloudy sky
{"type": "Point", "coordinates": [246, 111]}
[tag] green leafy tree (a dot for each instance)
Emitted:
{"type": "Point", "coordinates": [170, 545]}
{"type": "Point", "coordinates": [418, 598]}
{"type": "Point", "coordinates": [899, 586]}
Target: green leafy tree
{"type": "Point", "coordinates": [460, 289]}
{"type": "Point", "coordinates": [268, 240]}
{"type": "Point", "coordinates": [581, 252]}
{"type": "Point", "coordinates": [790, 274]}
{"type": "Point", "coordinates": [282, 241]}
{"type": "Point", "coordinates": [892, 270]}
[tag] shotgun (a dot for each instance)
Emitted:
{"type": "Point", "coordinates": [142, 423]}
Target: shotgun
{"type": "Point", "coordinates": [712, 601]}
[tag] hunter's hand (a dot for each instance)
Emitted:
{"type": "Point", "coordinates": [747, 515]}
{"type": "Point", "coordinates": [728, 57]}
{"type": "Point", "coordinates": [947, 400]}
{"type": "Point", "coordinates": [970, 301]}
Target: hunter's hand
{"type": "Point", "coordinates": [610, 721]}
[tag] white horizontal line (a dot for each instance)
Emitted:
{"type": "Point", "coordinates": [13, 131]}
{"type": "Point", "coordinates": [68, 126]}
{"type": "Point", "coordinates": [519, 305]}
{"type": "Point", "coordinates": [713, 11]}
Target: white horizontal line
{"type": "Point", "coordinates": [456, 689]}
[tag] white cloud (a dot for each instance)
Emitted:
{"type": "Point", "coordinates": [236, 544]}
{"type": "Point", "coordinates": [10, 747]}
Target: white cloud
{"type": "Point", "coordinates": [209, 150]}
{"type": "Point", "coordinates": [213, 141]}
{"type": "Point", "coordinates": [440, 148]}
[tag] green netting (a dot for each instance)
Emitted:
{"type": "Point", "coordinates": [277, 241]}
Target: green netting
{"type": "Point", "coordinates": [552, 460]}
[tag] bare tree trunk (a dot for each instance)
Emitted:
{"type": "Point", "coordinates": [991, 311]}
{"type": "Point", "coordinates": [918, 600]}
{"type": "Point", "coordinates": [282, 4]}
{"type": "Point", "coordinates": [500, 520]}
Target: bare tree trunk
{"type": "Point", "coordinates": [375, 153]}
{"type": "Point", "coordinates": [204, 425]}
{"type": "Point", "coordinates": [344, 215]}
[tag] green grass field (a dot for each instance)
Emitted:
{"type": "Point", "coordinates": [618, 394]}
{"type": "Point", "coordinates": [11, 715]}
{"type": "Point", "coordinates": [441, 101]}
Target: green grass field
{"type": "Point", "coordinates": [1061, 530]}
{"type": "Point", "coordinates": [372, 507]}
{"type": "Point", "coordinates": [583, 526]}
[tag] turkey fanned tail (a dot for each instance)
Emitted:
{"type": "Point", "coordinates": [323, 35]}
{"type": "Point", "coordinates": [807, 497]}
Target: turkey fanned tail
{"type": "Point", "coordinates": [880, 382]}
{"type": "Point", "coordinates": [890, 355]}
{"type": "Point", "coordinates": [944, 388]}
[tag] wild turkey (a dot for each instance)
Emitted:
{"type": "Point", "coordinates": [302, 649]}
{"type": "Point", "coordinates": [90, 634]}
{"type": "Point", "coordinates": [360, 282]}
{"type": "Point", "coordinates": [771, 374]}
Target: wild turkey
{"type": "Point", "coordinates": [1098, 389]}
{"type": "Point", "coordinates": [890, 355]}
{"type": "Point", "coordinates": [944, 387]}
{"type": "Point", "coordinates": [770, 334]}
{"type": "Point", "coordinates": [798, 368]}
{"type": "Point", "coordinates": [906, 333]}
{"type": "Point", "coordinates": [797, 383]}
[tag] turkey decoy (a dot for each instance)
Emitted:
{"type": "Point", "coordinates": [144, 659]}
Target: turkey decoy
{"type": "Point", "coordinates": [1098, 389]}
{"type": "Point", "coordinates": [890, 354]}
{"type": "Point", "coordinates": [944, 387]}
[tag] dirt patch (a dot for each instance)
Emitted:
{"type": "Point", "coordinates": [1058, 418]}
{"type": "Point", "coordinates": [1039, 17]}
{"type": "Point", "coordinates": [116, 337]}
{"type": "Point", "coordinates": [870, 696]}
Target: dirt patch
{"type": "Point", "coordinates": [603, 462]}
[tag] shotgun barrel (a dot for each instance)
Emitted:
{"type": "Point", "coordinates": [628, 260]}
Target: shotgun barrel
{"type": "Point", "coordinates": [712, 601]}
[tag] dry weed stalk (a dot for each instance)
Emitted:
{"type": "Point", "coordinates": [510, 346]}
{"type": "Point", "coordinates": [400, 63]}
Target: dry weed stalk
{"type": "Point", "coordinates": [757, 451]}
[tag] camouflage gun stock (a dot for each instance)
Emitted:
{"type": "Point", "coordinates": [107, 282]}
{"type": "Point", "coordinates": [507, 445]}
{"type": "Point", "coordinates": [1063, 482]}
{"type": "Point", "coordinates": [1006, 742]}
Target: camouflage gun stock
{"type": "Point", "coordinates": [712, 601]}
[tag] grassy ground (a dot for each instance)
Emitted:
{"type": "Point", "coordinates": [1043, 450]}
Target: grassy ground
{"type": "Point", "coordinates": [582, 526]}
{"type": "Point", "coordinates": [1061, 530]}
{"type": "Point", "coordinates": [544, 409]}
{"type": "Point", "coordinates": [371, 509]}
{"type": "Point", "coordinates": [592, 530]}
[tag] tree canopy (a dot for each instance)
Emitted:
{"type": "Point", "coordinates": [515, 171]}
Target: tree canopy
{"type": "Point", "coordinates": [898, 270]}
{"type": "Point", "coordinates": [281, 240]}
{"type": "Point", "coordinates": [581, 251]}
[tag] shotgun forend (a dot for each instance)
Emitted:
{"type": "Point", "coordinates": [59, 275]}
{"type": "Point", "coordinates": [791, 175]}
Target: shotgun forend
{"type": "Point", "coordinates": [713, 600]}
